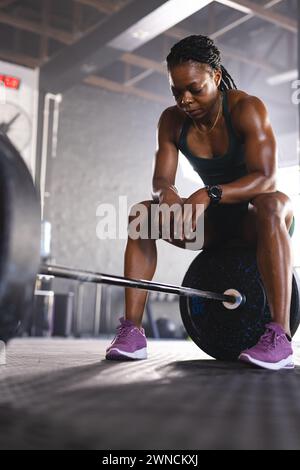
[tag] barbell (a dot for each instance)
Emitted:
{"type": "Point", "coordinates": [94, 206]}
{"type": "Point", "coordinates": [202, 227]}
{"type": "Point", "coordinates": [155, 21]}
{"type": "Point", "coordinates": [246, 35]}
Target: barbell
{"type": "Point", "coordinates": [231, 298]}
{"type": "Point", "coordinates": [222, 301]}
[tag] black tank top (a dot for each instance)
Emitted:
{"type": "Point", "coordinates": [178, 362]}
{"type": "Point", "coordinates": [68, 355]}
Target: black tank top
{"type": "Point", "coordinates": [217, 170]}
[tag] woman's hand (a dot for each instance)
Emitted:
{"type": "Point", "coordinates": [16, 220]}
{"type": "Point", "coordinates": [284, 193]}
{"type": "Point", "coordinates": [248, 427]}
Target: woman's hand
{"type": "Point", "coordinates": [194, 208]}
{"type": "Point", "coordinates": [169, 219]}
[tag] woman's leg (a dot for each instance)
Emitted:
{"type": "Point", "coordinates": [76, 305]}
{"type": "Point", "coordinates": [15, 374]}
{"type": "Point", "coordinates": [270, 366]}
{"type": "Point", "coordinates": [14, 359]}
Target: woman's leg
{"type": "Point", "coordinates": [141, 258]}
{"type": "Point", "coordinates": [266, 226]}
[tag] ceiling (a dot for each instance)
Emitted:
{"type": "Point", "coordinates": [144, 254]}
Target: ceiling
{"type": "Point", "coordinates": [257, 39]}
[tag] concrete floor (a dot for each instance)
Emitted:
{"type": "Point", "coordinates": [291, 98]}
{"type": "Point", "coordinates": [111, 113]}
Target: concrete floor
{"type": "Point", "coordinates": [62, 394]}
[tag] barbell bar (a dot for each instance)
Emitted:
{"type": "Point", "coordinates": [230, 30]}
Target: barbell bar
{"type": "Point", "coordinates": [231, 298]}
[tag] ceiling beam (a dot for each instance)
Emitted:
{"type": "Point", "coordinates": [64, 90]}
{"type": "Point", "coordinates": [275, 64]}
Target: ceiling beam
{"type": "Point", "coordinates": [110, 85]}
{"type": "Point", "coordinates": [102, 6]}
{"type": "Point", "coordinates": [234, 24]}
{"type": "Point", "coordinates": [272, 3]}
{"type": "Point", "coordinates": [94, 50]}
{"type": "Point", "coordinates": [77, 19]}
{"type": "Point", "coordinates": [244, 58]}
{"type": "Point", "coordinates": [20, 59]}
{"type": "Point", "coordinates": [138, 78]}
{"type": "Point", "coordinates": [6, 3]}
{"type": "Point", "coordinates": [37, 28]}
{"type": "Point", "coordinates": [250, 7]}
{"type": "Point", "coordinates": [144, 63]}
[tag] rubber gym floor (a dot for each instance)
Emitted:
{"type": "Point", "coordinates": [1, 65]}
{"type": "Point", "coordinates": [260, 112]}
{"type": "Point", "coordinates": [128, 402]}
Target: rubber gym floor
{"type": "Point", "coordinates": [63, 394]}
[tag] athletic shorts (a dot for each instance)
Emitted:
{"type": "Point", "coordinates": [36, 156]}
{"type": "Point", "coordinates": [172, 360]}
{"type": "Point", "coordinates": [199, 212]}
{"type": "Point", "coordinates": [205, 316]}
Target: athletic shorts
{"type": "Point", "coordinates": [227, 219]}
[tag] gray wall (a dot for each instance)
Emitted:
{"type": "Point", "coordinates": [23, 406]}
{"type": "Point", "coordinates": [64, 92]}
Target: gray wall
{"type": "Point", "coordinates": [106, 145]}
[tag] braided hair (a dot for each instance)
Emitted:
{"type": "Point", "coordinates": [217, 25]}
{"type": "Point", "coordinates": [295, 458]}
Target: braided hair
{"type": "Point", "coordinates": [200, 49]}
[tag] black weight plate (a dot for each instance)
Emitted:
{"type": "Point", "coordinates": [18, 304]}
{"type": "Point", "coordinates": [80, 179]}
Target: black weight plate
{"type": "Point", "coordinates": [220, 332]}
{"type": "Point", "coordinates": [19, 239]}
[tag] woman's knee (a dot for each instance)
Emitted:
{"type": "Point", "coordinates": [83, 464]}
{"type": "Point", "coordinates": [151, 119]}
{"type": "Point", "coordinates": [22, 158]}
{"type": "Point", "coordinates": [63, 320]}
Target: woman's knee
{"type": "Point", "coordinates": [272, 205]}
{"type": "Point", "coordinates": [138, 209]}
{"type": "Point", "coordinates": [140, 224]}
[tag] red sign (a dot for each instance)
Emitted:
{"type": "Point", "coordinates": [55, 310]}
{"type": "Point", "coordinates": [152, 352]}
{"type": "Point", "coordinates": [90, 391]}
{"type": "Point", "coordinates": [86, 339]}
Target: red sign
{"type": "Point", "coordinates": [10, 82]}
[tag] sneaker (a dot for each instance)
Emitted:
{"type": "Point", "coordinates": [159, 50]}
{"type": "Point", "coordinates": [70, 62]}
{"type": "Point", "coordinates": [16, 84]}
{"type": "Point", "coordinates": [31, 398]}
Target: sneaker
{"type": "Point", "coordinates": [273, 350]}
{"type": "Point", "coordinates": [129, 343]}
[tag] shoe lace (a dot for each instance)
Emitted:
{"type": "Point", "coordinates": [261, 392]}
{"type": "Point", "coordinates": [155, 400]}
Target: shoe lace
{"type": "Point", "coordinates": [123, 331]}
{"type": "Point", "coordinates": [269, 339]}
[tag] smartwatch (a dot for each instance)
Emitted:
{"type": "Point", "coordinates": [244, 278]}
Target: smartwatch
{"type": "Point", "coordinates": [215, 194]}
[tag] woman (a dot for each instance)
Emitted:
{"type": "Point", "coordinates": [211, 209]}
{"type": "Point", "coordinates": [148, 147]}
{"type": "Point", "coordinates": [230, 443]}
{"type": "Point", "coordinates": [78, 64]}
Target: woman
{"type": "Point", "coordinates": [227, 137]}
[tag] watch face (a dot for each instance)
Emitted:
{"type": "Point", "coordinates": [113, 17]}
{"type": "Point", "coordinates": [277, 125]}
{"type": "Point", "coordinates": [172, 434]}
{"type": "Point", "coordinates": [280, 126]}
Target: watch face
{"type": "Point", "coordinates": [16, 124]}
{"type": "Point", "coordinates": [215, 192]}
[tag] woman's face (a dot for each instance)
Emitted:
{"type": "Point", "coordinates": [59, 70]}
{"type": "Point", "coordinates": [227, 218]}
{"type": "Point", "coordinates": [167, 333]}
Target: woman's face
{"type": "Point", "coordinates": [195, 87]}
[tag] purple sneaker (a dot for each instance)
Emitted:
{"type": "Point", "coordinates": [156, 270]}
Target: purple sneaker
{"type": "Point", "coordinates": [129, 343]}
{"type": "Point", "coordinates": [273, 350]}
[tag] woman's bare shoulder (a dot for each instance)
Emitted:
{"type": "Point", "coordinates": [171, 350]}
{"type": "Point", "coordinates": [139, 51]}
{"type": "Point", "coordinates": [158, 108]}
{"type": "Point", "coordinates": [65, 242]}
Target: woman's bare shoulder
{"type": "Point", "coordinates": [172, 119]}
